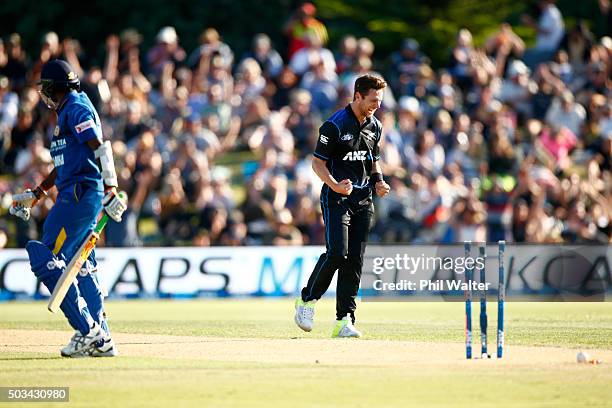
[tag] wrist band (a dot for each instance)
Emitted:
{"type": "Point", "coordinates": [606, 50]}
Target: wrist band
{"type": "Point", "coordinates": [39, 192]}
{"type": "Point", "coordinates": [376, 177]}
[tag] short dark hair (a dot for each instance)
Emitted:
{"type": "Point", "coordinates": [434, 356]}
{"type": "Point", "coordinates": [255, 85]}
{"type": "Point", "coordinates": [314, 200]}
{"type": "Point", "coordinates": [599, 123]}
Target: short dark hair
{"type": "Point", "coordinates": [365, 83]}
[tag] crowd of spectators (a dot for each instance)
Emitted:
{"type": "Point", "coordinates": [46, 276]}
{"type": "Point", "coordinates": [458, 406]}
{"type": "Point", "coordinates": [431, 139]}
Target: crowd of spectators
{"type": "Point", "coordinates": [214, 148]}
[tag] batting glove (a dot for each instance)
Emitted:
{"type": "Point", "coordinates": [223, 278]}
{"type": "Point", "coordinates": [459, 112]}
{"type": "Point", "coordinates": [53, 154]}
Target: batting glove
{"type": "Point", "coordinates": [22, 203]}
{"type": "Point", "coordinates": [114, 204]}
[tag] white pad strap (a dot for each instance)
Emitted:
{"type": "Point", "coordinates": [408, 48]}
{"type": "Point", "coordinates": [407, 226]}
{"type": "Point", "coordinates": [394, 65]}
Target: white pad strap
{"type": "Point", "coordinates": [105, 154]}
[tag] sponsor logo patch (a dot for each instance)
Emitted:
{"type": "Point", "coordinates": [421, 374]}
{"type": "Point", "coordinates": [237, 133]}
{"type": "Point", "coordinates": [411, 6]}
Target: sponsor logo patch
{"type": "Point", "coordinates": [83, 126]}
{"type": "Point", "coordinates": [356, 155]}
{"type": "Point", "coordinates": [324, 139]}
{"type": "Point", "coordinates": [56, 131]}
{"type": "Point", "coordinates": [346, 137]}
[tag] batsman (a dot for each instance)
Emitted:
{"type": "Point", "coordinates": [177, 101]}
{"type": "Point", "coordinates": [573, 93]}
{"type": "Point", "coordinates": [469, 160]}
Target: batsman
{"type": "Point", "coordinates": [86, 181]}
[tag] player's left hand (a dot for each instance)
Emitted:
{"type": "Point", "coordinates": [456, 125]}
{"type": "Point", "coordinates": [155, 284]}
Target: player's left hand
{"type": "Point", "coordinates": [114, 204]}
{"type": "Point", "coordinates": [382, 188]}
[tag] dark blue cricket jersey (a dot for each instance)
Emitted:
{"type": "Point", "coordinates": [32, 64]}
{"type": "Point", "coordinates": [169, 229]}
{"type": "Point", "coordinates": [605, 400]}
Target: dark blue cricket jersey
{"type": "Point", "coordinates": [77, 123]}
{"type": "Point", "coordinates": [349, 149]}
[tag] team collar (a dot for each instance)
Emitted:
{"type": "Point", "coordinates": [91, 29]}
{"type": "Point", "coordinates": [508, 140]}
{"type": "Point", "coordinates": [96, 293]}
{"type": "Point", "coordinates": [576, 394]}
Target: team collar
{"type": "Point", "coordinates": [64, 100]}
{"type": "Point", "coordinates": [352, 114]}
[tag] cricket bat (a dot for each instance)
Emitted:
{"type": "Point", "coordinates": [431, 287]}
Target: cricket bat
{"type": "Point", "coordinates": [76, 263]}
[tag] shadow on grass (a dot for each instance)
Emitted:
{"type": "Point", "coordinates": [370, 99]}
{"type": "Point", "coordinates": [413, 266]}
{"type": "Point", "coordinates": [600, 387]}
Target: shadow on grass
{"type": "Point", "coordinates": [30, 358]}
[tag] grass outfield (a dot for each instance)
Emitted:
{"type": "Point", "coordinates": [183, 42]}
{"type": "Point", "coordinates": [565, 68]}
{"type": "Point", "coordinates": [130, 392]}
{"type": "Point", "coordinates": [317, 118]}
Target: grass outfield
{"type": "Point", "coordinates": [248, 352]}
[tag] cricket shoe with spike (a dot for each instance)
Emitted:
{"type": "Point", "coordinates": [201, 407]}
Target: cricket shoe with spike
{"type": "Point", "coordinates": [304, 314]}
{"type": "Point", "coordinates": [105, 348]}
{"type": "Point", "coordinates": [345, 328]}
{"type": "Point", "coordinates": [80, 345]}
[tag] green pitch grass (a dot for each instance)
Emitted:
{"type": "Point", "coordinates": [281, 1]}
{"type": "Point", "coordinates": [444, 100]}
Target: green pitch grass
{"type": "Point", "coordinates": [248, 352]}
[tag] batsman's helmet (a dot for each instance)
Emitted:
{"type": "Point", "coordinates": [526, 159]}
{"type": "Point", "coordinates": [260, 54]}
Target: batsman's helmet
{"type": "Point", "coordinates": [57, 75]}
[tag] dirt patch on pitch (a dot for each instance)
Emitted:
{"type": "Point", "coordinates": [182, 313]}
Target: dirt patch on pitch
{"type": "Point", "coordinates": [340, 352]}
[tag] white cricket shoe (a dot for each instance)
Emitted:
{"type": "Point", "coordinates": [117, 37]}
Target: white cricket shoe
{"type": "Point", "coordinates": [105, 348]}
{"type": "Point", "coordinates": [345, 328]}
{"type": "Point", "coordinates": [80, 346]}
{"type": "Point", "coordinates": [304, 314]}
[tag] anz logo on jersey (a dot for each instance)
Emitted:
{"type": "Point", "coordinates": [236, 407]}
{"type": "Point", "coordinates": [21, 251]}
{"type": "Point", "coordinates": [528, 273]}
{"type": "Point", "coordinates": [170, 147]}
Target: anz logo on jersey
{"type": "Point", "coordinates": [358, 155]}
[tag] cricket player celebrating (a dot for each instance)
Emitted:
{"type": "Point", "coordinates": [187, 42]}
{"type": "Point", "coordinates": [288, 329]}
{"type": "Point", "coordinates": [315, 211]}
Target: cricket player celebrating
{"type": "Point", "coordinates": [346, 159]}
{"type": "Point", "coordinates": [84, 175]}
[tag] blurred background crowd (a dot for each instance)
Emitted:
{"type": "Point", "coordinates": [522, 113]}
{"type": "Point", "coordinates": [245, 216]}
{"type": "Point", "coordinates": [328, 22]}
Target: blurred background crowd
{"type": "Point", "coordinates": [213, 147]}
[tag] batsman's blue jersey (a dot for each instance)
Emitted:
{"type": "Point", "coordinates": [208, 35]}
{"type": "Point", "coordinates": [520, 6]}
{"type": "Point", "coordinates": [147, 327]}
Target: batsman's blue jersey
{"type": "Point", "coordinates": [77, 123]}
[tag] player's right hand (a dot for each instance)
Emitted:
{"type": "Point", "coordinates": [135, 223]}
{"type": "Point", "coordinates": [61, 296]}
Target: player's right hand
{"type": "Point", "coordinates": [344, 187]}
{"type": "Point", "coordinates": [22, 203]}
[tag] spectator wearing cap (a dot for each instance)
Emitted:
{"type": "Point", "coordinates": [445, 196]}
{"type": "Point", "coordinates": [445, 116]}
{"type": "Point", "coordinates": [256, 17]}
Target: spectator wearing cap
{"type": "Point", "coordinates": [249, 82]}
{"type": "Point", "coordinates": [405, 65]}
{"type": "Point", "coordinates": [303, 122]}
{"type": "Point", "coordinates": [598, 80]}
{"type": "Point", "coordinates": [564, 111]}
{"type": "Point", "coordinates": [129, 43]}
{"type": "Point", "coordinates": [517, 89]}
{"type": "Point", "coordinates": [222, 196]}
{"type": "Point", "coordinates": [268, 58]}
{"type": "Point", "coordinates": [206, 140]}
{"type": "Point", "coordinates": [50, 46]}
{"type": "Point", "coordinates": [323, 86]}
{"type": "Point", "coordinates": [165, 51]}
{"type": "Point", "coordinates": [460, 58]}
{"type": "Point", "coordinates": [301, 24]}
{"type": "Point", "coordinates": [16, 67]}
{"type": "Point", "coordinates": [409, 116]}
{"type": "Point", "coordinates": [211, 47]}
{"type": "Point", "coordinates": [345, 57]}
{"type": "Point", "coordinates": [284, 232]}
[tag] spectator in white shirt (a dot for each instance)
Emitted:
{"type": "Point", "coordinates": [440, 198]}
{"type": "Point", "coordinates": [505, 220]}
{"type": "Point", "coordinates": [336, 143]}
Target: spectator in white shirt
{"type": "Point", "coordinates": [564, 111]}
{"type": "Point", "coordinates": [309, 56]}
{"type": "Point", "coordinates": [550, 30]}
{"type": "Point", "coordinates": [550, 27]}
